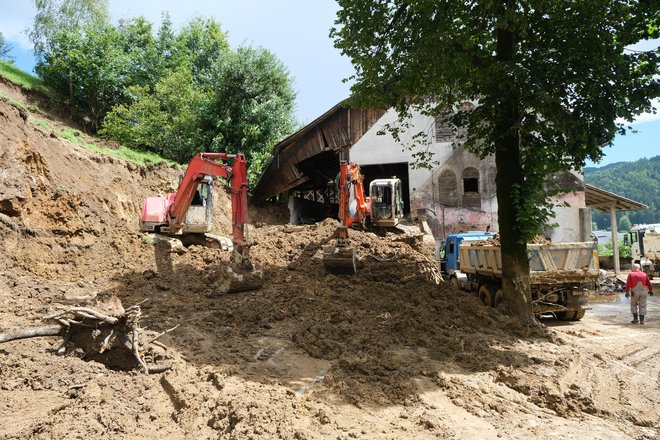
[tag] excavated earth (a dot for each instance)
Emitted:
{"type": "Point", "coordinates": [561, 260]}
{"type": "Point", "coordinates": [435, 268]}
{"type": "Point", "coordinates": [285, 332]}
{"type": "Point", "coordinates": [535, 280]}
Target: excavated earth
{"type": "Point", "coordinates": [389, 353]}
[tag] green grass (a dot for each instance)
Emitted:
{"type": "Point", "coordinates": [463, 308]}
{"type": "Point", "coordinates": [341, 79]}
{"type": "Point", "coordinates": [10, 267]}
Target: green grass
{"type": "Point", "coordinates": [76, 137]}
{"type": "Point", "coordinates": [23, 79]}
{"type": "Point", "coordinates": [29, 82]}
{"type": "Point", "coordinates": [41, 123]}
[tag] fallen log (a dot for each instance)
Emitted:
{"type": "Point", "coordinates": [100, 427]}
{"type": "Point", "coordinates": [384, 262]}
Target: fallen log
{"type": "Point", "coordinates": [32, 332]}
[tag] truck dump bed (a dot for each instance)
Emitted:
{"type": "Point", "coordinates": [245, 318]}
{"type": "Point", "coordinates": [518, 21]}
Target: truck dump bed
{"type": "Point", "coordinates": [549, 263]}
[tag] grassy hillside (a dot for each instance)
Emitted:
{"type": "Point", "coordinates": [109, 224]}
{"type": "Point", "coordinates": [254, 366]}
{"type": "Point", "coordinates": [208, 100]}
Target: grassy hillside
{"type": "Point", "coordinates": [52, 123]}
{"type": "Point", "coordinates": [639, 181]}
{"type": "Point", "coordinates": [23, 79]}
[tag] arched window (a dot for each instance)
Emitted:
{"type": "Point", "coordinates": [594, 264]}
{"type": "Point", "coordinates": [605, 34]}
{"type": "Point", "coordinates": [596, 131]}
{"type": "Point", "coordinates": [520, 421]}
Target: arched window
{"type": "Point", "coordinates": [448, 188]}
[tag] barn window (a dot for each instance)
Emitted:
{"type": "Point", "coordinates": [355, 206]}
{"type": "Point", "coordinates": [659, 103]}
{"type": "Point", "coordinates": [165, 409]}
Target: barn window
{"type": "Point", "coordinates": [471, 196]}
{"type": "Point", "coordinates": [445, 131]}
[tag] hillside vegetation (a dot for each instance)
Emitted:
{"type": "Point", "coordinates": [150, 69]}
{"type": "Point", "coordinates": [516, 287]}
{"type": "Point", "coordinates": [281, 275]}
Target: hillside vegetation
{"type": "Point", "coordinates": [639, 181]}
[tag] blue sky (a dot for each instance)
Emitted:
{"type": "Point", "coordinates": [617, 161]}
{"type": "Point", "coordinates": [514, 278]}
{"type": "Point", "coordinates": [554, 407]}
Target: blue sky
{"type": "Point", "coordinates": [297, 32]}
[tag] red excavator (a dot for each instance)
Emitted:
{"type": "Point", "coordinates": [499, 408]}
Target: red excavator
{"type": "Point", "coordinates": [188, 212]}
{"type": "Point", "coordinates": [382, 209]}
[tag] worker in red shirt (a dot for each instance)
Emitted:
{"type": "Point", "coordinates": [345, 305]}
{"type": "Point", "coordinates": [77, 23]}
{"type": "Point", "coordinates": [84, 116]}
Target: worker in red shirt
{"type": "Point", "coordinates": [638, 288]}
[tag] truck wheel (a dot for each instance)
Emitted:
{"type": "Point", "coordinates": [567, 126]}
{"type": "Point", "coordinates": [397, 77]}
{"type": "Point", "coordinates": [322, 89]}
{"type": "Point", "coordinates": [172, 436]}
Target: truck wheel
{"type": "Point", "coordinates": [499, 296]}
{"type": "Point", "coordinates": [486, 295]}
{"type": "Point", "coordinates": [454, 282]}
{"type": "Point", "coordinates": [579, 314]}
{"type": "Point", "coordinates": [565, 316]}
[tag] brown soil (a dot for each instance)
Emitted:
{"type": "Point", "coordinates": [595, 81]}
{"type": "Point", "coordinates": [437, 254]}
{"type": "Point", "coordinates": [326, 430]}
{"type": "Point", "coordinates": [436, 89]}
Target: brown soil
{"type": "Point", "coordinates": [384, 354]}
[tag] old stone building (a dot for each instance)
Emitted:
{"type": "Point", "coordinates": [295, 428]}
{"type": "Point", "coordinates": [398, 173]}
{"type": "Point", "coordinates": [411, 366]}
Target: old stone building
{"type": "Point", "coordinates": [456, 194]}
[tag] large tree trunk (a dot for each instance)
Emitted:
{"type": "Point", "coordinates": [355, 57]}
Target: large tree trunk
{"type": "Point", "coordinates": [515, 266]}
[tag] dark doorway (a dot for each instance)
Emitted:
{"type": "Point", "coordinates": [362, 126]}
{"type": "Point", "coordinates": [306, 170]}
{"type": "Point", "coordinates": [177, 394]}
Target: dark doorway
{"type": "Point", "coordinates": [388, 171]}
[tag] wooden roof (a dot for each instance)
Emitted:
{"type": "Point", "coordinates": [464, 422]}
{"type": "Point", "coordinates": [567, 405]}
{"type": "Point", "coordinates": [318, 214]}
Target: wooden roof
{"type": "Point", "coordinates": [311, 154]}
{"type": "Point", "coordinates": [604, 200]}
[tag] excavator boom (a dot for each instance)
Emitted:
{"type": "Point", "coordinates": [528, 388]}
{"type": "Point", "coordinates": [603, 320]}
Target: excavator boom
{"type": "Point", "coordinates": [207, 164]}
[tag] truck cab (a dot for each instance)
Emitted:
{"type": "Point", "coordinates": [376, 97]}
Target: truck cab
{"type": "Point", "coordinates": [644, 241]}
{"type": "Point", "coordinates": [447, 253]}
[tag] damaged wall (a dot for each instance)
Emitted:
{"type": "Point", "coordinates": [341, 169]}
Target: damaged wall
{"type": "Point", "coordinates": [459, 194]}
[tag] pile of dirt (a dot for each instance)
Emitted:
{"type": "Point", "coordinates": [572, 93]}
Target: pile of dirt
{"type": "Point", "coordinates": [391, 352]}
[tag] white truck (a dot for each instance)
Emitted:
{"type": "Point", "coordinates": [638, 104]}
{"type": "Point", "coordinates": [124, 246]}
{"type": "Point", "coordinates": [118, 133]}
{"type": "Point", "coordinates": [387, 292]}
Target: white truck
{"type": "Point", "coordinates": [562, 275]}
{"type": "Point", "coordinates": [644, 243]}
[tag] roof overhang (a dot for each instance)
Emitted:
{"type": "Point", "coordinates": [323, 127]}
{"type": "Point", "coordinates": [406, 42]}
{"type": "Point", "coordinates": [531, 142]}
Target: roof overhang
{"type": "Point", "coordinates": [602, 200]}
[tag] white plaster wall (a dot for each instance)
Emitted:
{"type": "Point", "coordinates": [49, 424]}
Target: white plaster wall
{"type": "Point", "coordinates": [373, 149]}
{"type": "Point", "coordinates": [567, 217]}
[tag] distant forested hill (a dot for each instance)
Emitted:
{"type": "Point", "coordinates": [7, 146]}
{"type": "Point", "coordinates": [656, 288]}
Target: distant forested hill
{"type": "Point", "coordinates": [639, 181]}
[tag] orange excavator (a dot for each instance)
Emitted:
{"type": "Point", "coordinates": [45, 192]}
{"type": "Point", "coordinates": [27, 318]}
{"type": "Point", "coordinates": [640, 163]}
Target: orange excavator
{"type": "Point", "coordinates": [382, 209]}
{"type": "Point", "coordinates": [187, 213]}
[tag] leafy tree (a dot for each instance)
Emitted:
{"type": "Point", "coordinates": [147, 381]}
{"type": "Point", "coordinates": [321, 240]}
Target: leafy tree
{"type": "Point", "coordinates": [139, 44]}
{"type": "Point", "coordinates": [252, 105]}
{"type": "Point", "coordinates": [166, 122]}
{"type": "Point", "coordinates": [89, 71]}
{"type": "Point", "coordinates": [53, 16]}
{"type": "Point", "coordinates": [551, 78]}
{"type": "Point", "coordinates": [594, 226]}
{"type": "Point", "coordinates": [5, 49]}
{"type": "Point", "coordinates": [200, 43]}
{"type": "Point", "coordinates": [624, 224]}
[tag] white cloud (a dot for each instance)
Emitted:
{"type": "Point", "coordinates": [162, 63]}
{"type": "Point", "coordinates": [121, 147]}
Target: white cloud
{"type": "Point", "coordinates": [15, 18]}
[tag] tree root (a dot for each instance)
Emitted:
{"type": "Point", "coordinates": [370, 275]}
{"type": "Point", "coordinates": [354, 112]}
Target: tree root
{"type": "Point", "coordinates": [111, 340]}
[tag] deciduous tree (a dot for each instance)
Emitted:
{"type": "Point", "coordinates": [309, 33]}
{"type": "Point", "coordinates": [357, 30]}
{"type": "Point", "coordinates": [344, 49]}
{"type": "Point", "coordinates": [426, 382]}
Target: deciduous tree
{"type": "Point", "coordinates": [53, 16]}
{"type": "Point", "coordinates": [251, 106]}
{"type": "Point", "coordinates": [5, 50]}
{"type": "Point", "coordinates": [551, 78]}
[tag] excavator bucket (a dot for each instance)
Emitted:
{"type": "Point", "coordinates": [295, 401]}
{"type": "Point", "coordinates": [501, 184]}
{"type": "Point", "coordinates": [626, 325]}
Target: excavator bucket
{"type": "Point", "coordinates": [242, 275]}
{"type": "Point", "coordinates": [242, 280]}
{"type": "Point", "coordinates": [233, 278]}
{"type": "Point", "coordinates": [340, 260]}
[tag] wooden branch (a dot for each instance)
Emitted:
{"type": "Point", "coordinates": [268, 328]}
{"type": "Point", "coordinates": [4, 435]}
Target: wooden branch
{"type": "Point", "coordinates": [23, 333]}
{"type": "Point", "coordinates": [136, 352]}
{"type": "Point", "coordinates": [163, 333]}
{"type": "Point", "coordinates": [158, 369]}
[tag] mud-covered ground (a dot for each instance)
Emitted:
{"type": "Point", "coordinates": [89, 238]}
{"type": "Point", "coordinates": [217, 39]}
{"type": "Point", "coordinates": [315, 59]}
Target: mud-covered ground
{"type": "Point", "coordinates": [386, 354]}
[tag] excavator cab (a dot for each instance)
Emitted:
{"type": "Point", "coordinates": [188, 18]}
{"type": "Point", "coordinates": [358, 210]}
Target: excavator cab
{"type": "Point", "coordinates": [199, 217]}
{"type": "Point", "coordinates": [386, 202]}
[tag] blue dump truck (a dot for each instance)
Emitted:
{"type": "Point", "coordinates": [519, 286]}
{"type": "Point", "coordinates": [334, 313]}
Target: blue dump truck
{"type": "Point", "coordinates": [562, 275]}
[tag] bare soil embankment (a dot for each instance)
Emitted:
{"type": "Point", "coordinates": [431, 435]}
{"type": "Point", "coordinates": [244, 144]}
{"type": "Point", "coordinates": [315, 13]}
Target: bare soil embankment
{"type": "Point", "coordinates": [385, 354]}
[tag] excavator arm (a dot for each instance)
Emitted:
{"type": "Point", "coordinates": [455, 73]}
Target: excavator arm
{"type": "Point", "coordinates": [208, 164]}
{"type": "Point", "coordinates": [353, 208]}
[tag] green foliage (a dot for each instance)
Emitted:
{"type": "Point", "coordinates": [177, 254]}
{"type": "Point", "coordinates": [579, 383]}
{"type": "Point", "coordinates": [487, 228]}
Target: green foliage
{"type": "Point", "coordinates": [5, 50]}
{"type": "Point", "coordinates": [551, 79]}
{"type": "Point", "coordinates": [605, 250]}
{"type": "Point", "coordinates": [22, 79]}
{"type": "Point", "coordinates": [639, 181]}
{"type": "Point", "coordinates": [53, 16]}
{"type": "Point", "coordinates": [165, 122]}
{"type": "Point", "coordinates": [79, 138]}
{"type": "Point", "coordinates": [173, 94]}
{"type": "Point", "coordinates": [594, 226]}
{"type": "Point", "coordinates": [199, 44]}
{"type": "Point", "coordinates": [624, 224]}
{"type": "Point", "coordinates": [88, 70]}
{"type": "Point", "coordinates": [251, 107]}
